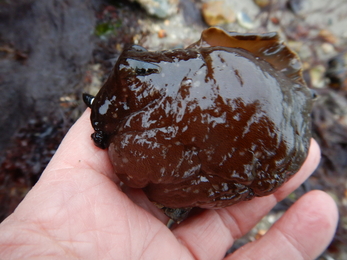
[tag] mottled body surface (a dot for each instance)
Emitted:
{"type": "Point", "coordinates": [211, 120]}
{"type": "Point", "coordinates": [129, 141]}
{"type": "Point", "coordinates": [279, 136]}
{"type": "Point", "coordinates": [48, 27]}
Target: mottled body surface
{"type": "Point", "coordinates": [206, 126]}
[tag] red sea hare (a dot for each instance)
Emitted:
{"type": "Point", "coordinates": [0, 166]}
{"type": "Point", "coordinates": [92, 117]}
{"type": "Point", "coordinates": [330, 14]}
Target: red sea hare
{"type": "Point", "coordinates": [222, 121]}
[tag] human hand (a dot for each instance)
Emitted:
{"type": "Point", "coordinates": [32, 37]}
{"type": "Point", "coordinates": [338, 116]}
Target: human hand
{"type": "Point", "coordinates": [77, 210]}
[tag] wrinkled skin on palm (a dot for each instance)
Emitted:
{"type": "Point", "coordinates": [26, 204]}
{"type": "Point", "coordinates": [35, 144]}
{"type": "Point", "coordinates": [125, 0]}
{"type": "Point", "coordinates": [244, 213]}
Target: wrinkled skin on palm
{"type": "Point", "coordinates": [222, 121]}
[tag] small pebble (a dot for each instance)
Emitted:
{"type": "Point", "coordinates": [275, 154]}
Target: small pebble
{"type": "Point", "coordinates": [327, 48]}
{"type": "Point", "coordinates": [327, 36]}
{"type": "Point", "coordinates": [159, 8]}
{"type": "Point", "coordinates": [317, 76]}
{"type": "Point", "coordinates": [260, 234]}
{"type": "Point", "coordinates": [244, 20]}
{"type": "Point", "coordinates": [275, 20]}
{"type": "Point", "coordinates": [162, 33]}
{"type": "Point", "coordinates": [262, 3]}
{"type": "Point", "coordinates": [217, 13]}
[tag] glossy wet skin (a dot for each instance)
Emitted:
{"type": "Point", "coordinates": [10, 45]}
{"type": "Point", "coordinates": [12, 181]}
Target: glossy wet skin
{"type": "Point", "coordinates": [207, 126]}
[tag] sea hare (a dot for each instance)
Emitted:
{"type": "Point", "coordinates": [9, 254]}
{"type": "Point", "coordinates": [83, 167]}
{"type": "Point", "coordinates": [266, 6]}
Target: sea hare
{"type": "Point", "coordinates": [222, 121]}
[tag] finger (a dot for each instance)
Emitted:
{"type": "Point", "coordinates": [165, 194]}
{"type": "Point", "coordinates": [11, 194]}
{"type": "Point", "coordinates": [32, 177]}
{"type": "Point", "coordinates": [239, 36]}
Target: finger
{"type": "Point", "coordinates": [211, 234]}
{"type": "Point", "coordinates": [78, 151]}
{"type": "Point", "coordinates": [303, 232]}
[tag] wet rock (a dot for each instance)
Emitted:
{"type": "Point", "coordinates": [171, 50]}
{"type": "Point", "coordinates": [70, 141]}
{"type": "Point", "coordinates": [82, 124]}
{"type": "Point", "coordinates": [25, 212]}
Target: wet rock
{"type": "Point", "coordinates": [42, 57]}
{"type": "Point", "coordinates": [330, 130]}
{"type": "Point", "coordinates": [217, 13]}
{"type": "Point", "coordinates": [159, 8]}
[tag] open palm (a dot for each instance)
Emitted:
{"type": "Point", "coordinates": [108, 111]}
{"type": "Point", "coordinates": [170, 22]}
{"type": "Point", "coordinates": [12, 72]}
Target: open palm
{"type": "Point", "coordinates": [78, 210]}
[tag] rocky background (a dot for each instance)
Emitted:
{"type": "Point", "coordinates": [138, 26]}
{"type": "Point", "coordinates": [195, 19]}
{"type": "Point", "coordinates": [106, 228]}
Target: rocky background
{"type": "Point", "coordinates": [52, 50]}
